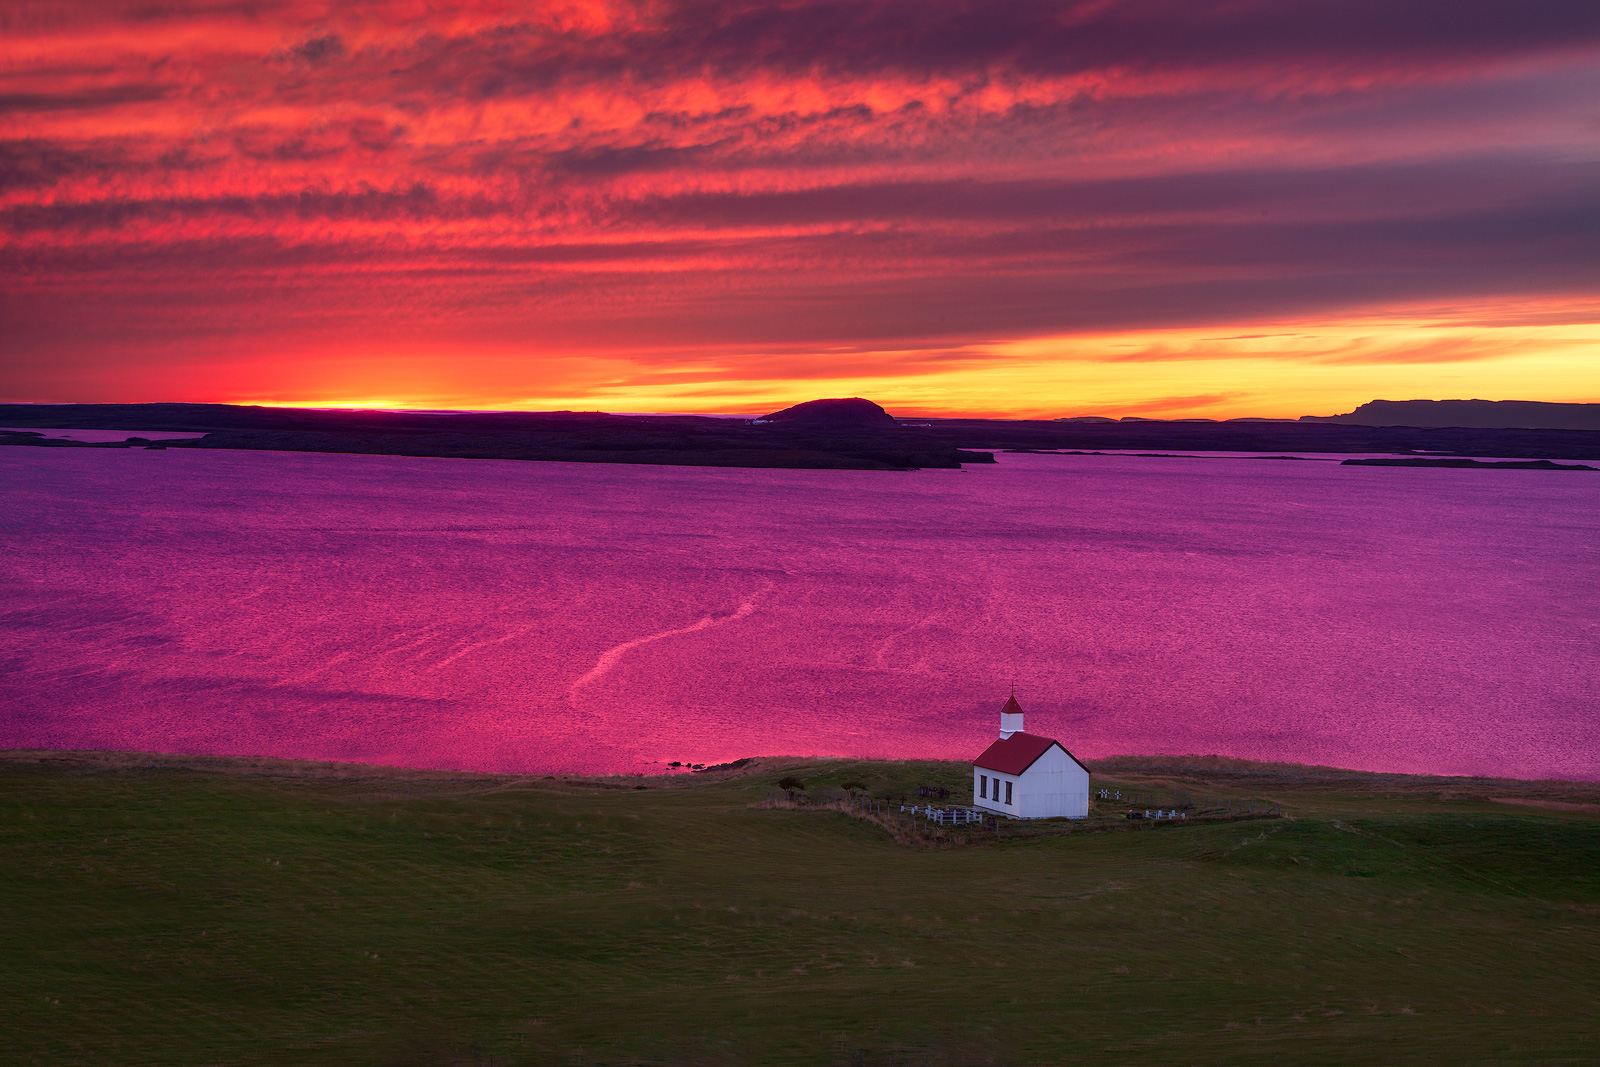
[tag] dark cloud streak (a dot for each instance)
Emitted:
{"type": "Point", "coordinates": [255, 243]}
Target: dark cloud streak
{"type": "Point", "coordinates": [1027, 37]}
{"type": "Point", "coordinates": [90, 99]}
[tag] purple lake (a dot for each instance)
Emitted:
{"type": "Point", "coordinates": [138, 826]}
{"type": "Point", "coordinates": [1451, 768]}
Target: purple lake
{"type": "Point", "coordinates": [543, 617]}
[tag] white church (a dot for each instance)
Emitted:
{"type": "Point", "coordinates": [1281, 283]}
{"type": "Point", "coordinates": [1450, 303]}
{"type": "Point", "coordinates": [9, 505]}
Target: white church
{"type": "Point", "coordinates": [1026, 776]}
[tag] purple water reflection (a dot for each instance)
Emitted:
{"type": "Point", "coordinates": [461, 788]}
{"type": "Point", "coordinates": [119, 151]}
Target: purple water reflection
{"type": "Point", "coordinates": [530, 616]}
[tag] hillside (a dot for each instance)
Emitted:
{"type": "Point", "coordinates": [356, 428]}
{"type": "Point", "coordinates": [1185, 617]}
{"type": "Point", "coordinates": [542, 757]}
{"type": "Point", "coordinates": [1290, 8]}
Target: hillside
{"type": "Point", "coordinates": [829, 437]}
{"type": "Point", "coordinates": [1474, 414]}
{"type": "Point", "coordinates": [165, 910]}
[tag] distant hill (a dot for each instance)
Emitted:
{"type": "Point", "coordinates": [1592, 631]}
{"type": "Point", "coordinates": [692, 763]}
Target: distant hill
{"type": "Point", "coordinates": [1472, 414]}
{"type": "Point", "coordinates": [852, 411]}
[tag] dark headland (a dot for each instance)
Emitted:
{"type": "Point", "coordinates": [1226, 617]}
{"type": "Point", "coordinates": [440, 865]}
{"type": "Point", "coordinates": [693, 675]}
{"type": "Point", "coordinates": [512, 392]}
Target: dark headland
{"type": "Point", "coordinates": [1476, 414]}
{"type": "Point", "coordinates": [850, 433]}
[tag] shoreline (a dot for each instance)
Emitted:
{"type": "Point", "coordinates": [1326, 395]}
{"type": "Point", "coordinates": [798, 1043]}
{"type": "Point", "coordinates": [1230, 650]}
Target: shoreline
{"type": "Point", "coordinates": [1212, 770]}
{"type": "Point", "coordinates": [693, 440]}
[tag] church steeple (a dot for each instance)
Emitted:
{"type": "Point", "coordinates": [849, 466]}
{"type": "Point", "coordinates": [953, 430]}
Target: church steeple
{"type": "Point", "coordinates": [1011, 717]}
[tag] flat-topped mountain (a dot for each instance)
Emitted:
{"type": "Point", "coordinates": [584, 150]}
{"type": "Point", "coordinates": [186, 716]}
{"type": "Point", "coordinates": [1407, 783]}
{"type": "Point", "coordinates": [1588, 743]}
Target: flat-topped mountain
{"type": "Point", "coordinates": [852, 411]}
{"type": "Point", "coordinates": [1470, 414]}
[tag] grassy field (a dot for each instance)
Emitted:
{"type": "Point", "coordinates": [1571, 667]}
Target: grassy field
{"type": "Point", "coordinates": [157, 910]}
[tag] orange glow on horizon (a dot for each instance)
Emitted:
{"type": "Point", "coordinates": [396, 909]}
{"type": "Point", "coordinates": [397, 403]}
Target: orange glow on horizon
{"type": "Point", "coordinates": [1279, 370]}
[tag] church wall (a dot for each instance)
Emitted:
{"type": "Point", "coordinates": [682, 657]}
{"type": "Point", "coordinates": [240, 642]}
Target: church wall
{"type": "Point", "coordinates": [992, 804]}
{"type": "Point", "coordinates": [1054, 787]}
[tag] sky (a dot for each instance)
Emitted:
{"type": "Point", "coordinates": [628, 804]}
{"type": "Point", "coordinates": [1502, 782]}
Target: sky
{"type": "Point", "coordinates": [1172, 208]}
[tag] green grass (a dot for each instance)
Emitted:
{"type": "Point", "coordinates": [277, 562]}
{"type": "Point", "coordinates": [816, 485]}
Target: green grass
{"type": "Point", "coordinates": [158, 916]}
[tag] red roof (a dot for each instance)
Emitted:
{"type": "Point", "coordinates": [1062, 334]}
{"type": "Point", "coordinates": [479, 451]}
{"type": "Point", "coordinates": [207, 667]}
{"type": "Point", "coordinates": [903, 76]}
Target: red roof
{"type": "Point", "coordinates": [1015, 754]}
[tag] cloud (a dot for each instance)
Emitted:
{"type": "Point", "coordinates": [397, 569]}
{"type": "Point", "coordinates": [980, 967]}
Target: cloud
{"type": "Point", "coordinates": [326, 48]}
{"type": "Point", "coordinates": [97, 98]}
{"type": "Point", "coordinates": [744, 178]}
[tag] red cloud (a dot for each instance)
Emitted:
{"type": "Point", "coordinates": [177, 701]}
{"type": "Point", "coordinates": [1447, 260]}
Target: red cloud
{"type": "Point", "coordinates": [656, 175]}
